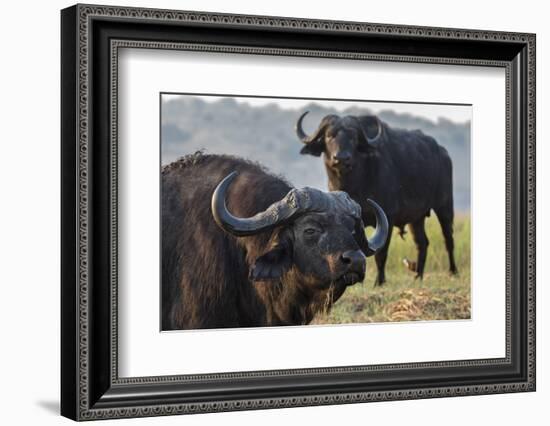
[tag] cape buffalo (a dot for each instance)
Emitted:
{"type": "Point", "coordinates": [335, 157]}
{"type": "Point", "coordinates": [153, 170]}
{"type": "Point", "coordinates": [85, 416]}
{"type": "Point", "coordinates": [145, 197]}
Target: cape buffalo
{"type": "Point", "coordinates": [242, 248]}
{"type": "Point", "coordinates": [407, 172]}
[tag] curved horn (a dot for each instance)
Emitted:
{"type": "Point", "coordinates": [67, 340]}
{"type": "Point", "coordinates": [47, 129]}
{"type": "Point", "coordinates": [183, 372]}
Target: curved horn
{"type": "Point", "coordinates": [276, 214]}
{"type": "Point", "coordinates": [378, 134]}
{"type": "Point", "coordinates": [322, 126]}
{"type": "Point", "coordinates": [300, 131]}
{"type": "Point", "coordinates": [378, 240]}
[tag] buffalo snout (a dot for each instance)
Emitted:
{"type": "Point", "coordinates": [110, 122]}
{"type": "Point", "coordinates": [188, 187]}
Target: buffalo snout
{"type": "Point", "coordinates": [341, 159]}
{"type": "Point", "coordinates": [354, 265]}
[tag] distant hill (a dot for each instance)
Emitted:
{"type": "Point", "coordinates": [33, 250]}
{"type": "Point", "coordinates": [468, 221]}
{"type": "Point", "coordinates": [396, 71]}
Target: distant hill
{"type": "Point", "coordinates": [266, 134]}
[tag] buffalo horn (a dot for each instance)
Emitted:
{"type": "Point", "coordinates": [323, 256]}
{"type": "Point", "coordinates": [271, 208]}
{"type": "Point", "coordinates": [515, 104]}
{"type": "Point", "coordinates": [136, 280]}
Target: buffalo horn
{"type": "Point", "coordinates": [378, 240]}
{"type": "Point", "coordinates": [276, 214]}
{"type": "Point", "coordinates": [303, 136]}
{"type": "Point", "coordinates": [378, 134]}
{"type": "Point", "coordinates": [300, 131]}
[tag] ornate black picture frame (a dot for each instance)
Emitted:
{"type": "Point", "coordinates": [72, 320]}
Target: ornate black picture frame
{"type": "Point", "coordinates": [90, 385]}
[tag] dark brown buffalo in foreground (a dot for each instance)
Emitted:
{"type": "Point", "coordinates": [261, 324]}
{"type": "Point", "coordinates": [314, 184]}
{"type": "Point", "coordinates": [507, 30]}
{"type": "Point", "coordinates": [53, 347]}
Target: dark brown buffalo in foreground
{"type": "Point", "coordinates": [407, 172]}
{"type": "Point", "coordinates": [242, 248]}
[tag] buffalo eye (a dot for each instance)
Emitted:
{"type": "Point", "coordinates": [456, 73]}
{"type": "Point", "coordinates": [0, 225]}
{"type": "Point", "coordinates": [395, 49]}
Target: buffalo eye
{"type": "Point", "coordinates": [311, 231]}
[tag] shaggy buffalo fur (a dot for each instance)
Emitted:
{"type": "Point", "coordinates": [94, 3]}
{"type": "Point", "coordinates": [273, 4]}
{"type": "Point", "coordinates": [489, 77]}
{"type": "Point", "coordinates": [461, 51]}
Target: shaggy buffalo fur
{"type": "Point", "coordinates": [206, 272]}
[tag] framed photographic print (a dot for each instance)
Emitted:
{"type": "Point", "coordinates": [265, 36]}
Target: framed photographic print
{"type": "Point", "coordinates": [263, 212]}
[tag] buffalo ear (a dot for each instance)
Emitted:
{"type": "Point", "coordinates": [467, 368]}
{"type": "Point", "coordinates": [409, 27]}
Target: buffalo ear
{"type": "Point", "coordinates": [273, 264]}
{"type": "Point", "coordinates": [315, 148]}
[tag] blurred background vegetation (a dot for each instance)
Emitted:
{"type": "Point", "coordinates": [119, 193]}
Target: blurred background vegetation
{"type": "Point", "coordinates": [266, 134]}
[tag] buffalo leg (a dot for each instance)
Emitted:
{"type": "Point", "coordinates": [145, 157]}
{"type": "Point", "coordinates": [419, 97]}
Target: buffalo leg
{"type": "Point", "coordinates": [445, 217]}
{"type": "Point", "coordinates": [421, 240]}
{"type": "Point", "coordinates": [380, 257]}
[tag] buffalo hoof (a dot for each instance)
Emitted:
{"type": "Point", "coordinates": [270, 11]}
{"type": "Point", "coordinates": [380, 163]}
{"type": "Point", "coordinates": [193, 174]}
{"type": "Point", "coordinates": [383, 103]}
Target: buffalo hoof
{"type": "Point", "coordinates": [419, 277]}
{"type": "Point", "coordinates": [379, 281]}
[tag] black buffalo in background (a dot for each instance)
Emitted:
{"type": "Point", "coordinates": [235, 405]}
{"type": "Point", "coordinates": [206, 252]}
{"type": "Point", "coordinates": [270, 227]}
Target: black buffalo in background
{"type": "Point", "coordinates": [407, 172]}
{"type": "Point", "coordinates": [242, 248]}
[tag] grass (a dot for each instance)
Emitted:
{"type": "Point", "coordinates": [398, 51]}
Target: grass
{"type": "Point", "coordinates": [440, 296]}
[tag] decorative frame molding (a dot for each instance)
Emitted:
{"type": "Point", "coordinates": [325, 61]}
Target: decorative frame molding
{"type": "Point", "coordinates": [91, 388]}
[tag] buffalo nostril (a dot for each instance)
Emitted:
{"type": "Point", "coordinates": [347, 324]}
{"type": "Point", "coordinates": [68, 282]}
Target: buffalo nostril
{"type": "Point", "coordinates": [345, 259]}
{"type": "Point", "coordinates": [344, 159]}
{"type": "Point", "coordinates": [342, 156]}
{"type": "Point", "coordinates": [353, 258]}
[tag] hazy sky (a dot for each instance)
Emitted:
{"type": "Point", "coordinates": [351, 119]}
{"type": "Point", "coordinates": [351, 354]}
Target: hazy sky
{"type": "Point", "coordinates": [456, 113]}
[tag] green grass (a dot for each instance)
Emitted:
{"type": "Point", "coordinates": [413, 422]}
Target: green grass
{"type": "Point", "coordinates": [440, 296]}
